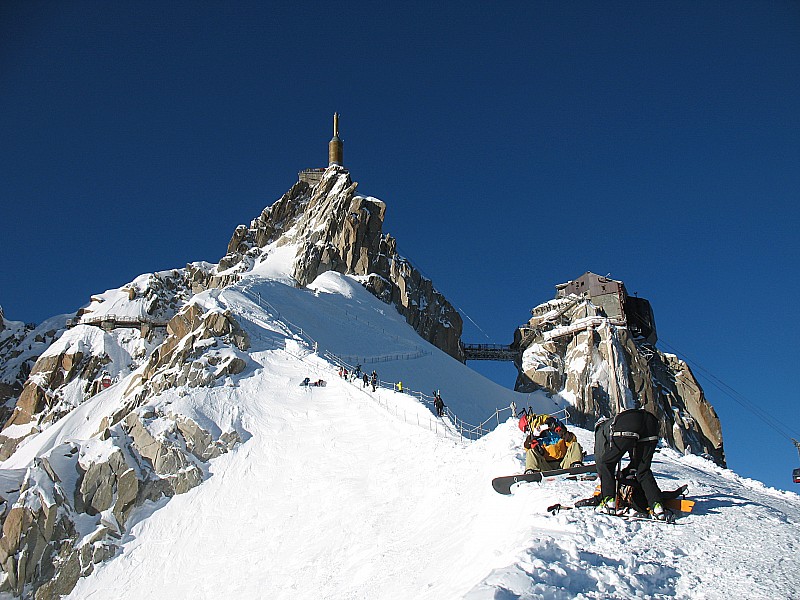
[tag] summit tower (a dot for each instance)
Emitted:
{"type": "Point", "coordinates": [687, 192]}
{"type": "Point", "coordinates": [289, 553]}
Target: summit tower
{"type": "Point", "coordinates": [335, 151]}
{"type": "Point", "coordinates": [335, 157]}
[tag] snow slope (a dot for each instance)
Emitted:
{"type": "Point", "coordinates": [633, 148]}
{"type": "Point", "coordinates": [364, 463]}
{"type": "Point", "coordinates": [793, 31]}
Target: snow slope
{"type": "Point", "coordinates": [342, 493]}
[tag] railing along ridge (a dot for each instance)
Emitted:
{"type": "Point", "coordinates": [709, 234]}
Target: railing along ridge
{"type": "Point", "coordinates": [459, 426]}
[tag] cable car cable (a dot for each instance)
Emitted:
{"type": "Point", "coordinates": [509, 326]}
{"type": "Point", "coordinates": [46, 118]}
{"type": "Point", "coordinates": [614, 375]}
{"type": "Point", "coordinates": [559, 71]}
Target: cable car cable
{"type": "Point", "coordinates": [732, 393]}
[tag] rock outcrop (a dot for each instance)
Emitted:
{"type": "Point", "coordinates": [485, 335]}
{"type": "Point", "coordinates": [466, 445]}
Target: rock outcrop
{"type": "Point", "coordinates": [59, 367]}
{"type": "Point", "coordinates": [202, 346]}
{"type": "Point", "coordinates": [150, 298]}
{"type": "Point", "coordinates": [60, 379]}
{"type": "Point", "coordinates": [141, 452]}
{"type": "Point", "coordinates": [21, 345]}
{"type": "Point", "coordinates": [73, 505]}
{"type": "Point", "coordinates": [53, 371]}
{"type": "Point", "coordinates": [572, 347]}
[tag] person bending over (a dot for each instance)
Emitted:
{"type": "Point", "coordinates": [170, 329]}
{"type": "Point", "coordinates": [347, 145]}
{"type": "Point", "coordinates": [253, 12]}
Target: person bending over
{"type": "Point", "coordinates": [635, 432]}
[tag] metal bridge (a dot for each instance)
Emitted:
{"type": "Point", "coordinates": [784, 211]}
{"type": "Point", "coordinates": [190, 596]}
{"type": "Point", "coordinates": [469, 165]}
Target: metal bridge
{"type": "Point", "coordinates": [109, 321]}
{"type": "Point", "coordinates": [489, 352]}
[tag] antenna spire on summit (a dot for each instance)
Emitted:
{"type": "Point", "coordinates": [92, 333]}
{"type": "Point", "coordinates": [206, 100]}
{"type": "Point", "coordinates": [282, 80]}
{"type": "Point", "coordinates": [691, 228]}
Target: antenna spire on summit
{"type": "Point", "coordinates": [335, 150]}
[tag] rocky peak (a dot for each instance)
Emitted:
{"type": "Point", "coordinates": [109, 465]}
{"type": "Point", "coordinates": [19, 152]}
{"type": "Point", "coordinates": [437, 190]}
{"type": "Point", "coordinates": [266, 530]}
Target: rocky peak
{"type": "Point", "coordinates": [332, 228]}
{"type": "Point", "coordinates": [588, 353]}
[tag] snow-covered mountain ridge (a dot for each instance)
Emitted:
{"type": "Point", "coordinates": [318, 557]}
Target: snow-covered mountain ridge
{"type": "Point", "coordinates": [137, 403]}
{"type": "Point", "coordinates": [339, 492]}
{"type": "Point", "coordinates": [160, 332]}
{"type": "Point", "coordinates": [148, 449]}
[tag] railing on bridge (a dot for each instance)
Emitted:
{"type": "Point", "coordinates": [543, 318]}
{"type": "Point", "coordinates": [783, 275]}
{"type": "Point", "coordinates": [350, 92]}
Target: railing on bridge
{"type": "Point", "coordinates": [489, 352]}
{"type": "Point", "coordinates": [111, 321]}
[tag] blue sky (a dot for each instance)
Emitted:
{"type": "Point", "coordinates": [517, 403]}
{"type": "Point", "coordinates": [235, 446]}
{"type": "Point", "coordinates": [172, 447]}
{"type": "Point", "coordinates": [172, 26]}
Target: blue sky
{"type": "Point", "coordinates": [517, 145]}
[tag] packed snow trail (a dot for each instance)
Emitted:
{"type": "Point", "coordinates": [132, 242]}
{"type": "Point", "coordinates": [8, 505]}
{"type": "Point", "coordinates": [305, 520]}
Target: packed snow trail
{"type": "Point", "coordinates": [331, 497]}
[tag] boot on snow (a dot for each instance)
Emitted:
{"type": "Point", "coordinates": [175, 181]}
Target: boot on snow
{"type": "Point", "coordinates": [658, 512]}
{"type": "Point", "coordinates": [608, 506]}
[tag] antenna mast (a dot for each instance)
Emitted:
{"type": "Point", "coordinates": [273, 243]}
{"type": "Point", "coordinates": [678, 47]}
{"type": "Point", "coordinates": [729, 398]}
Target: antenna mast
{"type": "Point", "coordinates": [335, 150]}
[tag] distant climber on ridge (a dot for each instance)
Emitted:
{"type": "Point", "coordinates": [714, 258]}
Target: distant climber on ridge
{"type": "Point", "coordinates": [438, 403]}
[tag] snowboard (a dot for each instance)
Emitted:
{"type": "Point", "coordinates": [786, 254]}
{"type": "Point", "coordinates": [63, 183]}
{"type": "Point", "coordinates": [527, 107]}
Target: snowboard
{"type": "Point", "coordinates": [503, 485]}
{"type": "Point", "coordinates": [679, 504]}
{"type": "Point", "coordinates": [670, 520]}
{"type": "Point", "coordinates": [673, 505]}
{"type": "Point", "coordinates": [672, 500]}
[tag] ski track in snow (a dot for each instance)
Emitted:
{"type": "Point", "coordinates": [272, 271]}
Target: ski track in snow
{"type": "Point", "coordinates": [332, 496]}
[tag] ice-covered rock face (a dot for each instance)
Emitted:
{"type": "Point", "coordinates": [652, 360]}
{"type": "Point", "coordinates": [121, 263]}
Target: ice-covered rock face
{"type": "Point", "coordinates": [20, 346]}
{"type": "Point", "coordinates": [73, 503]}
{"type": "Point", "coordinates": [595, 362]}
{"type": "Point", "coordinates": [202, 346]}
{"type": "Point", "coordinates": [334, 229]}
